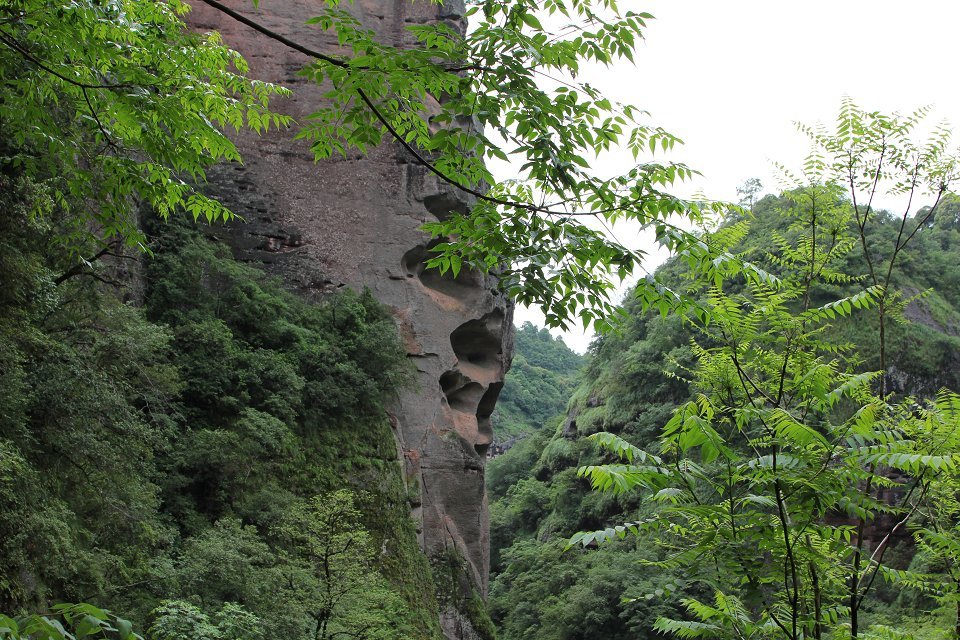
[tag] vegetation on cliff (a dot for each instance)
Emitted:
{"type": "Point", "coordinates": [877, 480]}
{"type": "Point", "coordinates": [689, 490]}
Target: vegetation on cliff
{"type": "Point", "coordinates": [214, 464]}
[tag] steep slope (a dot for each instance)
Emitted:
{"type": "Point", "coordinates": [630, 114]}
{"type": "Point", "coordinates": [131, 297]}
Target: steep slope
{"type": "Point", "coordinates": [634, 381]}
{"type": "Point", "coordinates": [541, 379]}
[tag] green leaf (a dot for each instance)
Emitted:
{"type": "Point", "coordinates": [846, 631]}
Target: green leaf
{"type": "Point", "coordinates": [124, 629]}
{"type": "Point", "coordinates": [531, 21]}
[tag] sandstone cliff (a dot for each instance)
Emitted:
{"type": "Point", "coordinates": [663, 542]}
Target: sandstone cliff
{"type": "Point", "coordinates": [355, 222]}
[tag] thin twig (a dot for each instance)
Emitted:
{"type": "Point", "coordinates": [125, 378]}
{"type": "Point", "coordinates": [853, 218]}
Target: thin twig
{"type": "Point", "coordinates": [6, 39]}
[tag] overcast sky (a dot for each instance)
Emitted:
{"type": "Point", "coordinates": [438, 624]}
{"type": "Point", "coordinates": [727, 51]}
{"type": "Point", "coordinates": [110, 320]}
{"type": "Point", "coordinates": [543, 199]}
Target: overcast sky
{"type": "Point", "coordinates": [731, 78]}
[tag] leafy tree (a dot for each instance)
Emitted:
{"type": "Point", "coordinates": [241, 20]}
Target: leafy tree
{"type": "Point", "coordinates": [749, 192]}
{"type": "Point", "coordinates": [870, 153]}
{"type": "Point", "coordinates": [141, 120]}
{"type": "Point", "coordinates": [637, 377]}
{"type": "Point", "coordinates": [784, 434]}
{"type": "Point", "coordinates": [175, 619]}
{"type": "Point", "coordinates": [119, 101]}
{"type": "Point", "coordinates": [334, 574]}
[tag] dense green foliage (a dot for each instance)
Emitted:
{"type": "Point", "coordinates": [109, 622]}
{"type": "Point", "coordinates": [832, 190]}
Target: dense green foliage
{"type": "Point", "coordinates": [539, 383]}
{"type": "Point", "coordinates": [636, 381]}
{"type": "Point", "coordinates": [74, 621]}
{"type": "Point", "coordinates": [190, 462]}
{"type": "Point", "coordinates": [119, 100]}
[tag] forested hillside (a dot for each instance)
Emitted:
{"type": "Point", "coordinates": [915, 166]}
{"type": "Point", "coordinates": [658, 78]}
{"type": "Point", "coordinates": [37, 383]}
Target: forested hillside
{"type": "Point", "coordinates": [542, 377]}
{"type": "Point", "coordinates": [635, 382]}
{"type": "Point", "coordinates": [213, 461]}
{"type": "Point", "coordinates": [250, 349]}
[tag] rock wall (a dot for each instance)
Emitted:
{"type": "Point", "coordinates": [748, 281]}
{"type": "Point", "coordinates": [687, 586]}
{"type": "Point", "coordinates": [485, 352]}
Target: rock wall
{"type": "Point", "coordinates": [355, 222]}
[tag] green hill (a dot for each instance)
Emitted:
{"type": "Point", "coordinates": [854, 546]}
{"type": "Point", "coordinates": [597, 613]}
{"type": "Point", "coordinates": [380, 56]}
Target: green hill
{"type": "Point", "coordinates": [543, 374]}
{"type": "Point", "coordinates": [632, 384]}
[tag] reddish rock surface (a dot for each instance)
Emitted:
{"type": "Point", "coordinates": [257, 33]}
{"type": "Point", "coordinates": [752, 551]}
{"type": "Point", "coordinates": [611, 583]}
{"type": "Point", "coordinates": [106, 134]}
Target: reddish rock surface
{"type": "Point", "coordinates": [355, 222]}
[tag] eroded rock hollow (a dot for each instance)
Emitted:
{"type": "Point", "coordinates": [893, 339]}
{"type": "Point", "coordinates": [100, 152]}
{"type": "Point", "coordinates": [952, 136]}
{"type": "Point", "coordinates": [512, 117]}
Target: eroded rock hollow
{"type": "Point", "coordinates": [355, 222]}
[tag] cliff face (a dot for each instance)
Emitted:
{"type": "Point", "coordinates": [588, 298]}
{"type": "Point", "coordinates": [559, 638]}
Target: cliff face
{"type": "Point", "coordinates": [355, 222]}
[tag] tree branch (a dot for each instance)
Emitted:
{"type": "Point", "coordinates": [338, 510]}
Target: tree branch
{"type": "Point", "coordinates": [343, 64]}
{"type": "Point", "coordinates": [8, 40]}
{"type": "Point", "coordinates": [77, 269]}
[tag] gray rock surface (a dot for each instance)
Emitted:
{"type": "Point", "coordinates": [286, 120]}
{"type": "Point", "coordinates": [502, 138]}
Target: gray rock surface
{"type": "Point", "coordinates": [355, 222]}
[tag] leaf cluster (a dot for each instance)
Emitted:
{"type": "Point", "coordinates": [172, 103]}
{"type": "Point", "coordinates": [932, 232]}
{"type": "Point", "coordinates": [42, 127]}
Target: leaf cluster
{"type": "Point", "coordinates": [121, 102]}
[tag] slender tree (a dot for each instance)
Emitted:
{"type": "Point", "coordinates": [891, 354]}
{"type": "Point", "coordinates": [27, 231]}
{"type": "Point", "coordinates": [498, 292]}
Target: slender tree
{"type": "Point", "coordinates": [771, 475]}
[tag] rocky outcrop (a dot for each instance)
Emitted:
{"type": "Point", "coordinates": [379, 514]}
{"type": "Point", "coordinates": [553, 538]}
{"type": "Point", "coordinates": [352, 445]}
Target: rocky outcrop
{"type": "Point", "coordinates": [355, 222]}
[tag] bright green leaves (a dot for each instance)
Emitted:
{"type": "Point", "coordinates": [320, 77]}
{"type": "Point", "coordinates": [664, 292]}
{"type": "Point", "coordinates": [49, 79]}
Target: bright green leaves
{"type": "Point", "coordinates": [692, 428]}
{"type": "Point", "coordinates": [508, 89]}
{"type": "Point", "coordinates": [566, 268]}
{"type": "Point", "coordinates": [844, 307]}
{"type": "Point", "coordinates": [177, 619]}
{"type": "Point", "coordinates": [914, 437]}
{"type": "Point", "coordinates": [622, 448]}
{"type": "Point", "coordinates": [120, 102]}
{"type": "Point", "coordinates": [620, 531]}
{"type": "Point", "coordinates": [716, 621]}
{"type": "Point", "coordinates": [784, 432]}
{"type": "Point", "coordinates": [335, 569]}
{"type": "Point", "coordinates": [68, 622]}
{"type": "Point", "coordinates": [870, 151]}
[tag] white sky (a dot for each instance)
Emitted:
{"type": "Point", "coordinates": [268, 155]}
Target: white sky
{"type": "Point", "coordinates": [731, 78]}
